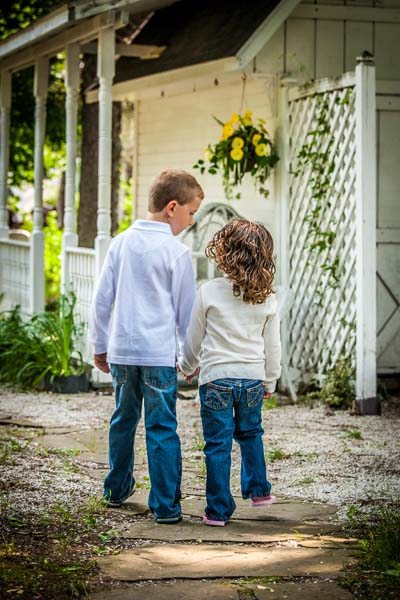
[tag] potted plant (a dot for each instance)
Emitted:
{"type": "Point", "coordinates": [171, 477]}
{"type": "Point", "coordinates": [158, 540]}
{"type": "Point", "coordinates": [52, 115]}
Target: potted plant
{"type": "Point", "coordinates": [244, 147]}
{"type": "Point", "coordinates": [42, 350]}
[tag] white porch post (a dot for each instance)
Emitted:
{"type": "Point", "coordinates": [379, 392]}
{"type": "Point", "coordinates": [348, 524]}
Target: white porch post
{"type": "Point", "coordinates": [105, 72]}
{"type": "Point", "coordinates": [70, 237]}
{"type": "Point", "coordinates": [365, 106]}
{"type": "Point", "coordinates": [283, 229]}
{"type": "Point", "coordinates": [5, 109]}
{"type": "Point", "coordinates": [36, 271]}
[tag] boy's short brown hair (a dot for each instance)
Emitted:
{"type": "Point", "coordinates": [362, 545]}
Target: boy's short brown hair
{"type": "Point", "coordinates": [173, 184]}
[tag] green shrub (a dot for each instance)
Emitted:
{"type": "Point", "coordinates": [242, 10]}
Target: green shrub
{"type": "Point", "coordinates": [52, 256]}
{"type": "Point", "coordinates": [43, 345]}
{"type": "Point", "coordinates": [377, 572]}
{"type": "Point", "coordinates": [338, 389]}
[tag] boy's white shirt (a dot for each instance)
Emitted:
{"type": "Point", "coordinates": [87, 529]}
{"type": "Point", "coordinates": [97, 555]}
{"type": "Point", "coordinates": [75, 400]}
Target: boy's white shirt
{"type": "Point", "coordinates": [231, 338]}
{"type": "Point", "coordinates": [144, 297]}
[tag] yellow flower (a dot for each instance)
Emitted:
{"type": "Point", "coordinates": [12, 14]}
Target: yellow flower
{"type": "Point", "coordinates": [234, 118]}
{"type": "Point", "coordinates": [261, 149]}
{"type": "Point", "coordinates": [227, 131]}
{"type": "Point", "coordinates": [237, 154]}
{"type": "Point", "coordinates": [237, 142]}
{"type": "Point", "coordinates": [256, 138]}
{"type": "Point", "coordinates": [247, 120]}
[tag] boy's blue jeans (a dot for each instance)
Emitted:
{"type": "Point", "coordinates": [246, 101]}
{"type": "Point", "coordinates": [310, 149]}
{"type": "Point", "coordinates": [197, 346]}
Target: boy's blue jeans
{"type": "Point", "coordinates": [231, 408]}
{"type": "Point", "coordinates": [157, 386]}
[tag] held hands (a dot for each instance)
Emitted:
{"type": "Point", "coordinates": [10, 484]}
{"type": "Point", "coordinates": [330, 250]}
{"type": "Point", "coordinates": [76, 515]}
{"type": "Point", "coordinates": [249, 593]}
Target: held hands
{"type": "Point", "coordinates": [100, 361]}
{"type": "Point", "coordinates": [267, 395]}
{"type": "Point", "coordinates": [188, 377]}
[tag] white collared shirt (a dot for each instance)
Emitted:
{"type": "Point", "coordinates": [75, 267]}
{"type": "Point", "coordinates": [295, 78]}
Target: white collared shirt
{"type": "Point", "coordinates": [232, 338]}
{"type": "Point", "coordinates": [144, 297]}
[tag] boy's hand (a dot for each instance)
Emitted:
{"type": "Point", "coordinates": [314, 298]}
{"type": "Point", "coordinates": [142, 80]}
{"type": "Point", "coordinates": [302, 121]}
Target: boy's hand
{"type": "Point", "coordinates": [100, 361]}
{"type": "Point", "coordinates": [190, 377]}
{"type": "Point", "coordinates": [267, 395]}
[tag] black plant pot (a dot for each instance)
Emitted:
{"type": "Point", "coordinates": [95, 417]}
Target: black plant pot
{"type": "Point", "coordinates": [72, 384]}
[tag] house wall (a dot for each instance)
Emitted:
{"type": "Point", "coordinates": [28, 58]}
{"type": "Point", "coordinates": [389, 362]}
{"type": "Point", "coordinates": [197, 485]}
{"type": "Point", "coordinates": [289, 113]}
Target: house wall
{"type": "Point", "coordinates": [308, 48]}
{"type": "Point", "coordinates": [175, 125]}
{"type": "Point", "coordinates": [174, 130]}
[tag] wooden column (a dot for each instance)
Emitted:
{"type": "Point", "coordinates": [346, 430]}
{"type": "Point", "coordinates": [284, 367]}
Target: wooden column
{"type": "Point", "coordinates": [70, 237]}
{"type": "Point", "coordinates": [105, 72]}
{"type": "Point", "coordinates": [5, 109]}
{"type": "Point", "coordinates": [37, 243]}
{"type": "Point", "coordinates": [365, 107]}
{"type": "Point", "coordinates": [282, 184]}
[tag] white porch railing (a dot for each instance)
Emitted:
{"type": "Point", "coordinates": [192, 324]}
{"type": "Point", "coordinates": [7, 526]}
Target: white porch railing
{"type": "Point", "coordinates": [81, 277]}
{"type": "Point", "coordinates": [14, 274]}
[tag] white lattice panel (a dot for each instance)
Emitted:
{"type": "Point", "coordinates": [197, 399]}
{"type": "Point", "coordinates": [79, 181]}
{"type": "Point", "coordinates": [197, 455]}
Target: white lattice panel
{"type": "Point", "coordinates": [322, 317]}
{"type": "Point", "coordinates": [14, 274]}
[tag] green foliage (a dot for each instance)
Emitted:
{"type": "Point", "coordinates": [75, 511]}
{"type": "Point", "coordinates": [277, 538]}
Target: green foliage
{"type": "Point", "coordinates": [271, 403]}
{"type": "Point", "coordinates": [52, 256]}
{"type": "Point", "coordinates": [42, 345]}
{"type": "Point", "coordinates": [127, 207]}
{"type": "Point", "coordinates": [377, 572]}
{"type": "Point", "coordinates": [338, 389]}
{"type": "Point", "coordinates": [276, 454]}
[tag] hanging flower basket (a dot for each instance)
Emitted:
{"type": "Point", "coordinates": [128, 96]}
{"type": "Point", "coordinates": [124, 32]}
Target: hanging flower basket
{"type": "Point", "coordinates": [244, 147]}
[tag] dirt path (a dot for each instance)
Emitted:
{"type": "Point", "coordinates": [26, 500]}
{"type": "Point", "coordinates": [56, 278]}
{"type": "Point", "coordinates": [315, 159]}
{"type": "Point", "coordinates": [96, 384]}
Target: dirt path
{"type": "Point", "coordinates": [54, 457]}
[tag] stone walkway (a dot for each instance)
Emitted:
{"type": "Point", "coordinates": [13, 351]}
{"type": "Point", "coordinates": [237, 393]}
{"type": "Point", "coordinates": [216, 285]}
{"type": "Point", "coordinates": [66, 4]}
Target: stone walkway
{"type": "Point", "coordinates": [293, 549]}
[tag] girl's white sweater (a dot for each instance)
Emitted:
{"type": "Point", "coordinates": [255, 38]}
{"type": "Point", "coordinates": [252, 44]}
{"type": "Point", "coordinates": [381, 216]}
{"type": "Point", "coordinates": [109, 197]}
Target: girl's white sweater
{"type": "Point", "coordinates": [228, 337]}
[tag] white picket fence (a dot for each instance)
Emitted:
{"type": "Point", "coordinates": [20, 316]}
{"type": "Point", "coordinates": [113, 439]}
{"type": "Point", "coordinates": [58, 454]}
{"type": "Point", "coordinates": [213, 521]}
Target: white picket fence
{"type": "Point", "coordinates": [14, 274]}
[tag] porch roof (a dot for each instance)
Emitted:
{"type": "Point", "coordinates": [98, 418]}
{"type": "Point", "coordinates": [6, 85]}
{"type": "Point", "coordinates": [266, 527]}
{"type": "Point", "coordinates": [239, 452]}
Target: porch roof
{"type": "Point", "coordinates": [194, 32]}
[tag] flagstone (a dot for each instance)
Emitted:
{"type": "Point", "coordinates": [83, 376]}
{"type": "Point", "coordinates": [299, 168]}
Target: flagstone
{"type": "Point", "coordinates": [224, 590]}
{"type": "Point", "coordinates": [156, 561]}
{"type": "Point", "coordinates": [235, 531]}
{"type": "Point", "coordinates": [285, 509]}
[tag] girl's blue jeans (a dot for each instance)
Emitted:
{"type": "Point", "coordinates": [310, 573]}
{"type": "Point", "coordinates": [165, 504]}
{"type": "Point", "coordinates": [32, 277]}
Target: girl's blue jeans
{"type": "Point", "coordinates": [231, 409]}
{"type": "Point", "coordinates": [157, 386]}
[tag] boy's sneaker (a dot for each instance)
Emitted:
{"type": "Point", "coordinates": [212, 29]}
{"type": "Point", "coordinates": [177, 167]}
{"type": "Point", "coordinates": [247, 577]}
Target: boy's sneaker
{"type": "Point", "coordinates": [213, 522]}
{"type": "Point", "coordinates": [168, 520]}
{"type": "Point", "coordinates": [116, 503]}
{"type": "Point", "coordinates": [262, 500]}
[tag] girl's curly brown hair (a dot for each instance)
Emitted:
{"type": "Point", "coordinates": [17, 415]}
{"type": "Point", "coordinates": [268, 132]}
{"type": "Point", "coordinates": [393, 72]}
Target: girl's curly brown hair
{"type": "Point", "coordinates": [244, 251]}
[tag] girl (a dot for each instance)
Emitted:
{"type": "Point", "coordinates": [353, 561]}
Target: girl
{"type": "Point", "coordinates": [234, 335]}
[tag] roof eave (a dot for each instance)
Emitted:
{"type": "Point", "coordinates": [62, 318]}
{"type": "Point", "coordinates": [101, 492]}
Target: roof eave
{"type": "Point", "coordinates": [48, 25]}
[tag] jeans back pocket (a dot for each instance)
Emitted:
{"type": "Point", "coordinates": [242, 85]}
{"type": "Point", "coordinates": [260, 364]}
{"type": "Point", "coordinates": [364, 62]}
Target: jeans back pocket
{"type": "Point", "coordinates": [255, 395]}
{"type": "Point", "coordinates": [217, 397]}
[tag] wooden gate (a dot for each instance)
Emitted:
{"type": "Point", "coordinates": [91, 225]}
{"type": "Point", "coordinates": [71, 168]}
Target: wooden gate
{"type": "Point", "coordinates": [388, 227]}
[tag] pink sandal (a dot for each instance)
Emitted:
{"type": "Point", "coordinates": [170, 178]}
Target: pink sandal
{"type": "Point", "coordinates": [213, 523]}
{"type": "Point", "coordinates": [262, 500]}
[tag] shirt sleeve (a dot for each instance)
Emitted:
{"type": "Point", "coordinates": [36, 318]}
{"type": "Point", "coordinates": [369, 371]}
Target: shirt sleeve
{"type": "Point", "coordinates": [272, 346]}
{"type": "Point", "coordinates": [194, 337]}
{"type": "Point", "coordinates": [101, 309]}
{"type": "Point", "coordinates": [183, 294]}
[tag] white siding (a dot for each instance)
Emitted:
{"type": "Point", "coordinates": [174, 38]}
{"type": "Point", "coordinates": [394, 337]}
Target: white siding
{"type": "Point", "coordinates": [314, 48]}
{"type": "Point", "coordinates": [174, 132]}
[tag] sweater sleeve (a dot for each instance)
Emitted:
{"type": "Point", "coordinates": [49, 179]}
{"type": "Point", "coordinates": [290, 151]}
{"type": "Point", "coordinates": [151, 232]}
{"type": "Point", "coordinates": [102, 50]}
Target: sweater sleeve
{"type": "Point", "coordinates": [183, 294]}
{"type": "Point", "coordinates": [272, 346]}
{"type": "Point", "coordinates": [194, 337]}
{"type": "Point", "coordinates": [101, 308]}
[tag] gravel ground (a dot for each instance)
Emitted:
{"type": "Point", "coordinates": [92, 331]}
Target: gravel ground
{"type": "Point", "coordinates": [313, 454]}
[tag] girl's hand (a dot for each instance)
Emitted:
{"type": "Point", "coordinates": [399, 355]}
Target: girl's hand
{"type": "Point", "coordinates": [190, 377]}
{"type": "Point", "coordinates": [267, 395]}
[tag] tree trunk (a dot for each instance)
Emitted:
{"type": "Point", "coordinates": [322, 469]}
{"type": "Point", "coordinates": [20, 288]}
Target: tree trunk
{"type": "Point", "coordinates": [87, 214]}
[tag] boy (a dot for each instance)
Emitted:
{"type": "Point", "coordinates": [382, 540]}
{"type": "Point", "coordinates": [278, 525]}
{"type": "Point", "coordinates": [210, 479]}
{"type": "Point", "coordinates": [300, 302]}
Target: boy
{"type": "Point", "coordinates": [148, 281]}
